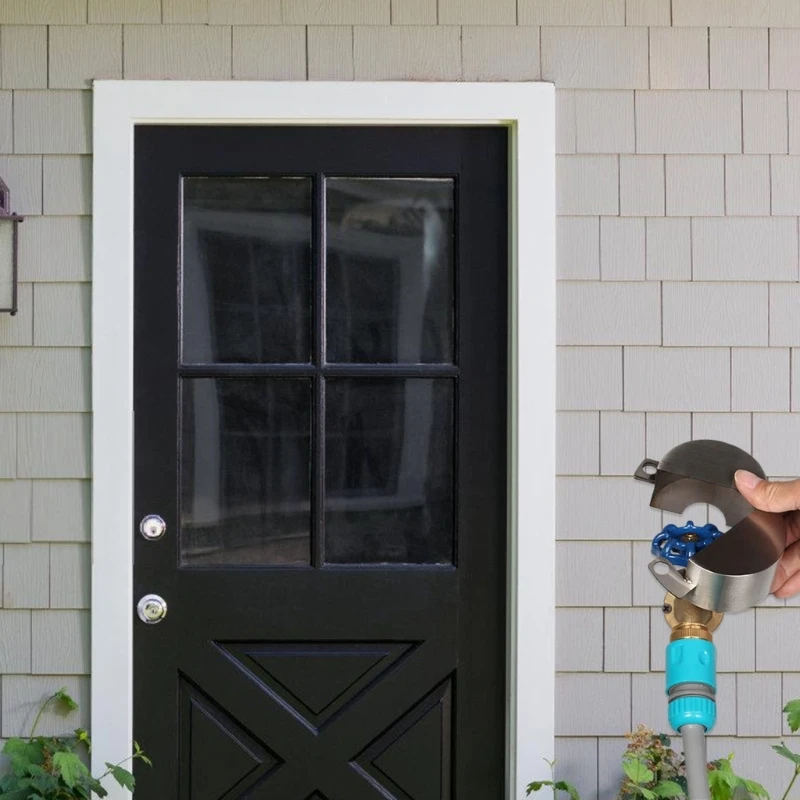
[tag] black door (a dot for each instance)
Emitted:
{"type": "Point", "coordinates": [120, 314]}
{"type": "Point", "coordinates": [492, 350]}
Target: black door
{"type": "Point", "coordinates": [320, 420]}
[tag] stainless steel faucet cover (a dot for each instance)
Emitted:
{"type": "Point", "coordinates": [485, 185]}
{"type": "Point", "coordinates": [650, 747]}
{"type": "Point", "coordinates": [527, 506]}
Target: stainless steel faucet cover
{"type": "Point", "coordinates": [735, 572]}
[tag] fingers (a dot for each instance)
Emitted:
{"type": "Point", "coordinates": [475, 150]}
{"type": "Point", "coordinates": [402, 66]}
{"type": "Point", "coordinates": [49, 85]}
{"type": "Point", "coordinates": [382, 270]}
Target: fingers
{"type": "Point", "coordinates": [768, 495]}
{"type": "Point", "coordinates": [777, 497]}
{"type": "Point", "coordinates": [787, 578]}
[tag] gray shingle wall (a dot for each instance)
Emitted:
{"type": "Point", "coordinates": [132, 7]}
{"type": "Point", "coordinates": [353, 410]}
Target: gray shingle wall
{"type": "Point", "coordinates": [678, 131]}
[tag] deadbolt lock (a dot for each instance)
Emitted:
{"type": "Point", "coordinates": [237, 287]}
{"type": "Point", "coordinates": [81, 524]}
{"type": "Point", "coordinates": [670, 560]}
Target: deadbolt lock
{"type": "Point", "coordinates": [152, 609]}
{"type": "Point", "coordinates": [152, 527]}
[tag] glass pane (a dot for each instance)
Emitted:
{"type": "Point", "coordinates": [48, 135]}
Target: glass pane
{"type": "Point", "coordinates": [246, 270]}
{"type": "Point", "coordinates": [390, 270]}
{"type": "Point", "coordinates": [245, 472]}
{"type": "Point", "coordinates": [389, 471]}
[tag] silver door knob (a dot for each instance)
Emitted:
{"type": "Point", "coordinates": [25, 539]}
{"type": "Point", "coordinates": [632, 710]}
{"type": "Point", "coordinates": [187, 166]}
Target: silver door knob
{"type": "Point", "coordinates": [152, 527]}
{"type": "Point", "coordinates": [152, 609]}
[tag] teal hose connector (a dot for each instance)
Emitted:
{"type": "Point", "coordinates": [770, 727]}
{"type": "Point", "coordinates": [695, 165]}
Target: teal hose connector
{"type": "Point", "coordinates": [691, 673]}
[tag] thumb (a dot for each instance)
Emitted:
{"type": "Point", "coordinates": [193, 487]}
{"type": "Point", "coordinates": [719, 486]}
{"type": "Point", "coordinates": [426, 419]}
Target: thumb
{"type": "Point", "coordinates": [767, 495]}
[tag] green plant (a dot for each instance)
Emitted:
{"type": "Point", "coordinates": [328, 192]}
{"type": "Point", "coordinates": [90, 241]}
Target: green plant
{"type": "Point", "coordinates": [725, 784]}
{"type": "Point", "coordinates": [652, 770]}
{"type": "Point", "coordinates": [557, 786]}
{"type": "Point", "coordinates": [792, 711]}
{"type": "Point", "coordinates": [642, 782]}
{"type": "Point", "coordinates": [51, 768]}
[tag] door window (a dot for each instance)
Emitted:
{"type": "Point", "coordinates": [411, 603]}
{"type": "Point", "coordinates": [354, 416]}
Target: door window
{"type": "Point", "coordinates": [245, 458]}
{"type": "Point", "coordinates": [246, 276]}
{"type": "Point", "coordinates": [318, 371]}
{"type": "Point", "coordinates": [389, 270]}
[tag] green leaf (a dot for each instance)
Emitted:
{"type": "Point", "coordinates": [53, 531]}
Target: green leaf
{"type": "Point", "coordinates": [21, 747]}
{"type": "Point", "coordinates": [719, 785]}
{"type": "Point", "coordinates": [724, 764]}
{"type": "Point", "coordinates": [537, 786]}
{"type": "Point", "coordinates": [22, 754]}
{"type": "Point", "coordinates": [69, 766]}
{"type": "Point", "coordinates": [24, 751]}
{"type": "Point", "coordinates": [782, 750]}
{"type": "Point", "coordinates": [15, 794]}
{"type": "Point", "coordinates": [62, 696]}
{"type": "Point", "coordinates": [564, 786]}
{"type": "Point", "coordinates": [82, 736]}
{"type": "Point", "coordinates": [121, 776]}
{"type": "Point", "coordinates": [648, 794]}
{"type": "Point", "coordinates": [43, 782]}
{"type": "Point", "coordinates": [636, 771]}
{"type": "Point", "coordinates": [726, 775]}
{"type": "Point", "coordinates": [668, 789]}
{"type": "Point", "coordinates": [755, 789]}
{"type": "Point", "coordinates": [792, 711]}
{"type": "Point", "coordinates": [94, 785]}
{"type": "Point", "coordinates": [140, 754]}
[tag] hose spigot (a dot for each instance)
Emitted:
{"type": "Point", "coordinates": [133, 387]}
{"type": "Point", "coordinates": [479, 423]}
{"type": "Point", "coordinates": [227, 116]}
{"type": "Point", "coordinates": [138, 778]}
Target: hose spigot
{"type": "Point", "coordinates": [689, 621]}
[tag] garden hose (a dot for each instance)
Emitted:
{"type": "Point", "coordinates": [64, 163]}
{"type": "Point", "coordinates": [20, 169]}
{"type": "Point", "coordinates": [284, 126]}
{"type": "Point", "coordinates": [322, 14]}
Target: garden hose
{"type": "Point", "coordinates": [696, 758]}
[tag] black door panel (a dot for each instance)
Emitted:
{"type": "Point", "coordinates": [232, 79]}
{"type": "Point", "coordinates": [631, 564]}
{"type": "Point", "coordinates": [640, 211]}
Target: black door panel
{"type": "Point", "coordinates": [320, 418]}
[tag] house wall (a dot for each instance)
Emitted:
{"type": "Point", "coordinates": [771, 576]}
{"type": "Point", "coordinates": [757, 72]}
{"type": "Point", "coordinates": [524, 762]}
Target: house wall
{"type": "Point", "coordinates": [678, 202]}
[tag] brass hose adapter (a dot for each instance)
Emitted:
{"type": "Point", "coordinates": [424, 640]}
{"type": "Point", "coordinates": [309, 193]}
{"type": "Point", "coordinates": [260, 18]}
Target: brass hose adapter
{"type": "Point", "coordinates": [688, 621]}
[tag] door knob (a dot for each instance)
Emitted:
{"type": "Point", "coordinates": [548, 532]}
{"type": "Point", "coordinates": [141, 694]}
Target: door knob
{"type": "Point", "coordinates": [152, 609]}
{"type": "Point", "coordinates": [152, 527]}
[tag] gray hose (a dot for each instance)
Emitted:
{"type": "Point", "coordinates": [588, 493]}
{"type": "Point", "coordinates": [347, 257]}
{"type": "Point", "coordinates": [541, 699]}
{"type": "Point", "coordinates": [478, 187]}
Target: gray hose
{"type": "Point", "coordinates": [694, 751]}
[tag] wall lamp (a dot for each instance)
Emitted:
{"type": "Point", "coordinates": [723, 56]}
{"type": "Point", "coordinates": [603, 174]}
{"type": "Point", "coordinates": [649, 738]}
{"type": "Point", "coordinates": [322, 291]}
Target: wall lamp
{"type": "Point", "coordinates": [9, 223]}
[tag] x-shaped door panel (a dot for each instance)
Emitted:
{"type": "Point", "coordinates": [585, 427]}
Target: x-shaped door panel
{"type": "Point", "coordinates": [347, 720]}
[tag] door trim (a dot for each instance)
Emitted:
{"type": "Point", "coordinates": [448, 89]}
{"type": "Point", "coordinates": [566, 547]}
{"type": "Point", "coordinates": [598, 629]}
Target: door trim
{"type": "Point", "coordinates": [528, 111]}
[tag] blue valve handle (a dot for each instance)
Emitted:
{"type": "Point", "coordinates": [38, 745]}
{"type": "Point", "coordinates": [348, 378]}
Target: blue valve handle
{"type": "Point", "coordinates": [692, 683]}
{"type": "Point", "coordinates": [678, 544]}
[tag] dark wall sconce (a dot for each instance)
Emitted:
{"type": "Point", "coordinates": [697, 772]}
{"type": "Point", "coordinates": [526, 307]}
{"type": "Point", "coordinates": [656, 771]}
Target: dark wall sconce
{"type": "Point", "coordinates": [9, 238]}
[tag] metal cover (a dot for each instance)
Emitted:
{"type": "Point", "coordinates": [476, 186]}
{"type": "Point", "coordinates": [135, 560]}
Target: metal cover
{"type": "Point", "coordinates": [735, 572]}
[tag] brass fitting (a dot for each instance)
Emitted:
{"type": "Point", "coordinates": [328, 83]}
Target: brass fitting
{"type": "Point", "coordinates": [688, 621]}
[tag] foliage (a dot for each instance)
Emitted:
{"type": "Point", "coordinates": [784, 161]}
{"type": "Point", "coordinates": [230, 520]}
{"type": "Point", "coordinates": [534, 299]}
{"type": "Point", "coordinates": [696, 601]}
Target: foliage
{"type": "Point", "coordinates": [792, 711]}
{"type": "Point", "coordinates": [725, 784]}
{"type": "Point", "coordinates": [557, 786]}
{"type": "Point", "coordinates": [51, 768]}
{"type": "Point", "coordinates": [652, 770]}
{"type": "Point", "coordinates": [651, 767]}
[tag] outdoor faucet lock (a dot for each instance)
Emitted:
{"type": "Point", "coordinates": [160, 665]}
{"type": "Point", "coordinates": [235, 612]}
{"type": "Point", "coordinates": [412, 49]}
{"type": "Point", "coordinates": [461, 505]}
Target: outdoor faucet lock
{"type": "Point", "coordinates": [715, 571]}
{"type": "Point", "coordinates": [705, 572]}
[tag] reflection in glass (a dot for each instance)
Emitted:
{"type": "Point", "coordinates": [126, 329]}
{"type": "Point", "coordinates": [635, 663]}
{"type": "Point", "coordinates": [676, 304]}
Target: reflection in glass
{"type": "Point", "coordinates": [245, 467]}
{"type": "Point", "coordinates": [246, 270]}
{"type": "Point", "coordinates": [389, 471]}
{"type": "Point", "coordinates": [390, 270]}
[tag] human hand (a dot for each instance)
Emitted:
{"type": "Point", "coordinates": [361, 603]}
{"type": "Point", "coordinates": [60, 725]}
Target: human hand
{"type": "Point", "coordinates": [781, 497]}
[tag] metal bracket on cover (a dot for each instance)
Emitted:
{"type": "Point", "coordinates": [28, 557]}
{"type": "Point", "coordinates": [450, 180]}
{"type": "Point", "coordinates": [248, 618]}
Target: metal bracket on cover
{"type": "Point", "coordinates": [670, 578]}
{"type": "Point", "coordinates": [646, 471]}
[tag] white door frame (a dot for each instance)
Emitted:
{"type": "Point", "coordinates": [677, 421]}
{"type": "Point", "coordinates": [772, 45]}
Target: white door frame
{"type": "Point", "coordinates": [528, 110]}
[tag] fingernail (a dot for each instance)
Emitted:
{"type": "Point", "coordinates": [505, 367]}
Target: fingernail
{"type": "Point", "coordinates": [747, 479]}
